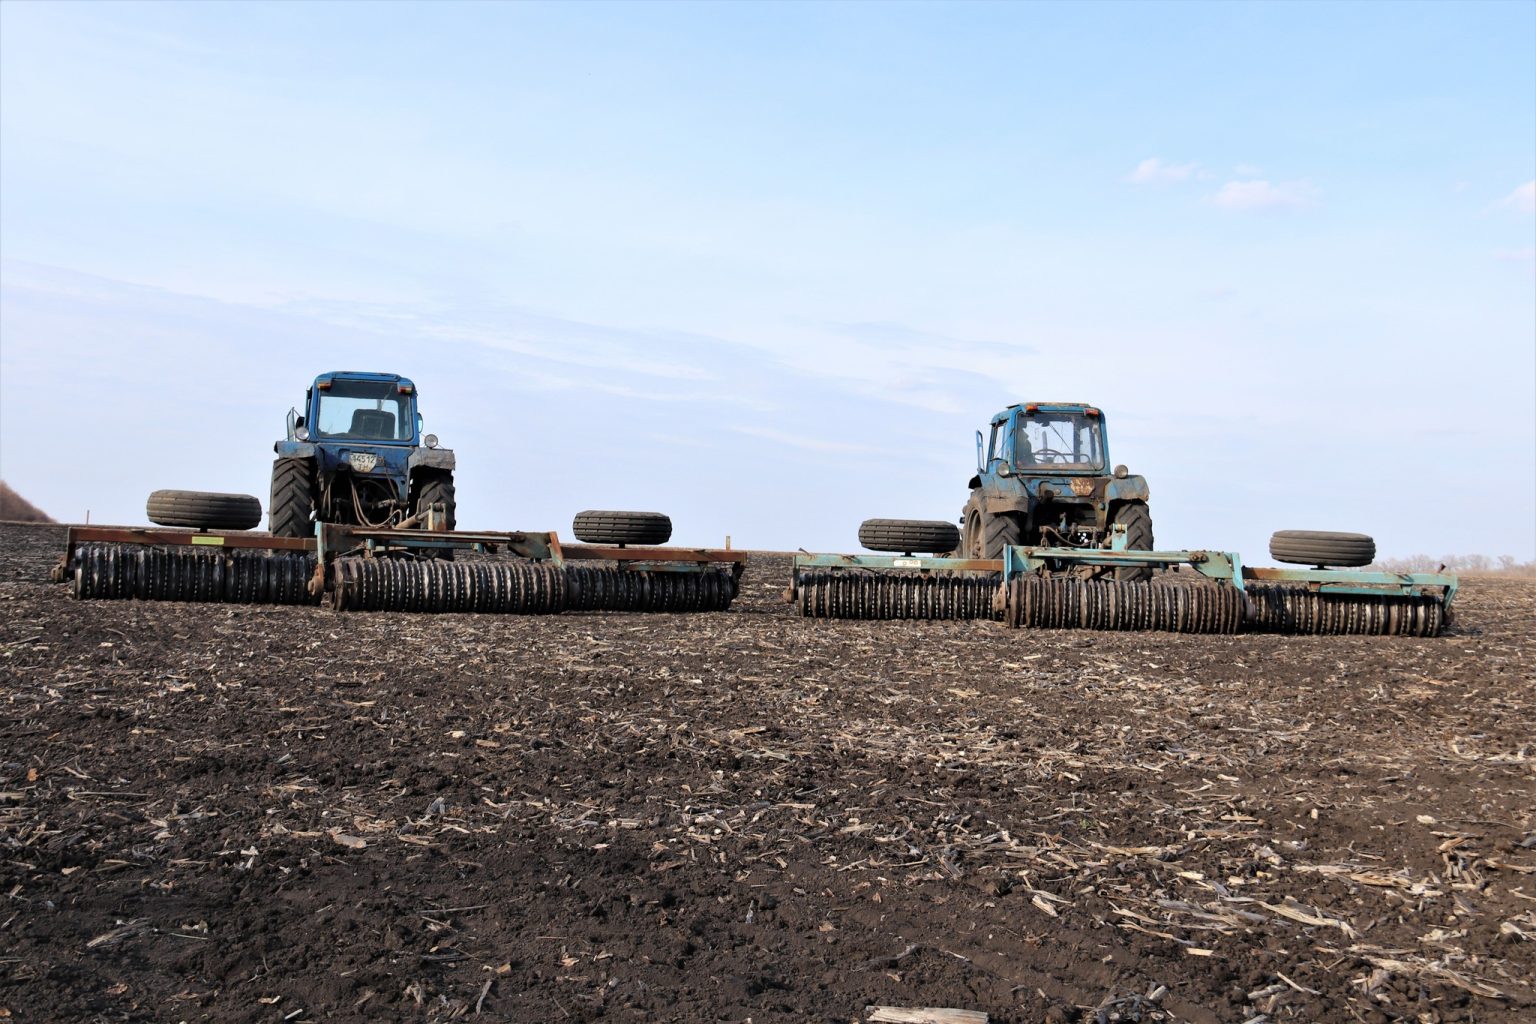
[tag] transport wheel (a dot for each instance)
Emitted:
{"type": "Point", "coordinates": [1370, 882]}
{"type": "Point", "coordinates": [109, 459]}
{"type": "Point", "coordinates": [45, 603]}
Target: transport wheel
{"type": "Point", "coordinates": [1322, 547]}
{"type": "Point", "coordinates": [293, 498]}
{"type": "Point", "coordinates": [908, 535]}
{"type": "Point", "coordinates": [602, 527]}
{"type": "Point", "coordinates": [436, 488]}
{"type": "Point", "coordinates": [202, 510]}
{"type": "Point", "coordinates": [999, 532]}
{"type": "Point", "coordinates": [1137, 520]}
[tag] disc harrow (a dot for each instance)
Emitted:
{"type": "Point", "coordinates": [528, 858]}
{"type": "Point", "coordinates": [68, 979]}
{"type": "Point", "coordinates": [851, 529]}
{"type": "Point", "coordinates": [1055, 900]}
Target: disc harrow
{"type": "Point", "coordinates": [364, 584]}
{"type": "Point", "coordinates": [110, 571]}
{"type": "Point", "coordinates": [1077, 588]}
{"type": "Point", "coordinates": [642, 590]}
{"type": "Point", "coordinates": [1044, 602]}
{"type": "Point", "coordinates": [400, 570]}
{"type": "Point", "coordinates": [896, 595]}
{"type": "Point", "coordinates": [1280, 609]}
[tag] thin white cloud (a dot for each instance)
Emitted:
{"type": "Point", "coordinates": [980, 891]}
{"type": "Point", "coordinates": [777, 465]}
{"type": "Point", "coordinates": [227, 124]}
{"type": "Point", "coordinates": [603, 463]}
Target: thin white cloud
{"type": "Point", "coordinates": [1522, 198]}
{"type": "Point", "coordinates": [1526, 255]}
{"type": "Point", "coordinates": [813, 444]}
{"type": "Point", "coordinates": [1260, 194]}
{"type": "Point", "coordinates": [1156, 171]}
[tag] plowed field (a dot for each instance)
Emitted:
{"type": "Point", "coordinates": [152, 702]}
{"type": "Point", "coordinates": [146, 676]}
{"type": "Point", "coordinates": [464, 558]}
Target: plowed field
{"type": "Point", "coordinates": [262, 814]}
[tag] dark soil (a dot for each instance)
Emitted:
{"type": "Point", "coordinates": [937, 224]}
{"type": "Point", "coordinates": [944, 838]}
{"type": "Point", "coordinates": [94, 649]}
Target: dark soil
{"type": "Point", "coordinates": [262, 814]}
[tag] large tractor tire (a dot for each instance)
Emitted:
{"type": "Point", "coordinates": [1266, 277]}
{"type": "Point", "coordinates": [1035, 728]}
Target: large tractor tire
{"type": "Point", "coordinates": [202, 510]}
{"type": "Point", "coordinates": [436, 488]}
{"type": "Point", "coordinates": [602, 527]}
{"type": "Point", "coordinates": [292, 511]}
{"type": "Point", "coordinates": [1137, 520]}
{"type": "Point", "coordinates": [999, 532]}
{"type": "Point", "coordinates": [1322, 547]}
{"type": "Point", "coordinates": [908, 535]}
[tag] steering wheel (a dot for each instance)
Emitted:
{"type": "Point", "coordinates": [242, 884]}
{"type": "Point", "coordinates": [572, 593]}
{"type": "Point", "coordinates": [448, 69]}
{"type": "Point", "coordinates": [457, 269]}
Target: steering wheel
{"type": "Point", "coordinates": [1056, 456]}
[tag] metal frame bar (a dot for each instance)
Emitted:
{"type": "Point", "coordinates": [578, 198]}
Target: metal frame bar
{"type": "Point", "coordinates": [807, 560]}
{"type": "Point", "coordinates": [334, 539]}
{"type": "Point", "coordinates": [183, 538]}
{"type": "Point", "coordinates": [1216, 565]}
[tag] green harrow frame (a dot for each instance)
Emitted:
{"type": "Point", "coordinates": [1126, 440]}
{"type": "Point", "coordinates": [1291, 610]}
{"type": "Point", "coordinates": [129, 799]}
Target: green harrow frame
{"type": "Point", "coordinates": [1073, 588]}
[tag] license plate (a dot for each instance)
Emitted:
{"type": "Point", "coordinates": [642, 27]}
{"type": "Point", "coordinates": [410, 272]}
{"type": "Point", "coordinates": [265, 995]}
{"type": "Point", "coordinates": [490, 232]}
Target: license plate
{"type": "Point", "coordinates": [363, 462]}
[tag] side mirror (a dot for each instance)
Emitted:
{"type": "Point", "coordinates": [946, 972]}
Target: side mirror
{"type": "Point", "coordinates": [980, 465]}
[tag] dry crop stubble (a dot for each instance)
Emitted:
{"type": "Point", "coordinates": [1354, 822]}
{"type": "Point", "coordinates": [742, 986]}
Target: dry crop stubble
{"type": "Point", "coordinates": [239, 813]}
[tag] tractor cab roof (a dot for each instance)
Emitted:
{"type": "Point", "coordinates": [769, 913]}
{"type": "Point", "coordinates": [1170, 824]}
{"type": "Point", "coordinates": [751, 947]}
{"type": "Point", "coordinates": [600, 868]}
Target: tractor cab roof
{"type": "Point", "coordinates": [1078, 407]}
{"type": "Point", "coordinates": [390, 378]}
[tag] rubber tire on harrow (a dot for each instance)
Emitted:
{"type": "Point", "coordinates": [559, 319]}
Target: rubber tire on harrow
{"type": "Point", "coordinates": [291, 512]}
{"type": "Point", "coordinates": [432, 488]}
{"type": "Point", "coordinates": [908, 535]}
{"type": "Point", "coordinates": [999, 532]}
{"type": "Point", "coordinates": [1321, 547]}
{"type": "Point", "coordinates": [1137, 519]}
{"type": "Point", "coordinates": [202, 510]}
{"type": "Point", "coordinates": [601, 527]}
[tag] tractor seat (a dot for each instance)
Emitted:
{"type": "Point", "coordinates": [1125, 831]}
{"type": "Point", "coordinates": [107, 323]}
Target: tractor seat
{"type": "Point", "coordinates": [372, 423]}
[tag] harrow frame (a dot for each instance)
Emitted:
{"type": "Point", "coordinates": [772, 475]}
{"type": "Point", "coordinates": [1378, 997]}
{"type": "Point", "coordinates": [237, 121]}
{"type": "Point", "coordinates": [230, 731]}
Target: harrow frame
{"type": "Point", "coordinates": [1048, 587]}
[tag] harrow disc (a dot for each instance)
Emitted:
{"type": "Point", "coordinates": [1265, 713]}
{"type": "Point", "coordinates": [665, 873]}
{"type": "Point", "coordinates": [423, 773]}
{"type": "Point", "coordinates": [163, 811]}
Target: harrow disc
{"type": "Point", "coordinates": [435, 585]}
{"type": "Point", "coordinates": [893, 595]}
{"type": "Point", "coordinates": [1071, 603]}
{"type": "Point", "coordinates": [1281, 609]}
{"type": "Point", "coordinates": [145, 573]}
{"type": "Point", "coordinates": [638, 590]}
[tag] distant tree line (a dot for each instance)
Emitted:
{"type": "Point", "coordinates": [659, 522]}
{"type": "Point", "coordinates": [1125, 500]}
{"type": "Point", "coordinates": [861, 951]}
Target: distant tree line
{"type": "Point", "coordinates": [1469, 564]}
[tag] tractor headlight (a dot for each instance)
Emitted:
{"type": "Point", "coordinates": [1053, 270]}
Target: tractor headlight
{"type": "Point", "coordinates": [302, 433]}
{"type": "Point", "coordinates": [430, 440]}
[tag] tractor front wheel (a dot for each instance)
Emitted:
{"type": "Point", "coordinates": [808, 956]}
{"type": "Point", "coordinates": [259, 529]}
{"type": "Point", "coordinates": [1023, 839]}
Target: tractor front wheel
{"type": "Point", "coordinates": [291, 513]}
{"type": "Point", "coordinates": [433, 489]}
{"type": "Point", "coordinates": [971, 532]}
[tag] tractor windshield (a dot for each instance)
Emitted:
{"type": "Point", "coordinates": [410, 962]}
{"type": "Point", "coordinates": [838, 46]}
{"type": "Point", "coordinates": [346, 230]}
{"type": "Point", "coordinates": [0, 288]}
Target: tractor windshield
{"type": "Point", "coordinates": [364, 410]}
{"type": "Point", "coordinates": [1058, 440]}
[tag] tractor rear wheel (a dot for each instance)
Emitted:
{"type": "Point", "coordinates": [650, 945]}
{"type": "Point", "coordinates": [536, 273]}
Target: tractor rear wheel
{"type": "Point", "coordinates": [292, 511]}
{"type": "Point", "coordinates": [203, 510]}
{"type": "Point", "coordinates": [436, 488]}
{"type": "Point", "coordinates": [999, 532]}
{"type": "Point", "coordinates": [1137, 520]}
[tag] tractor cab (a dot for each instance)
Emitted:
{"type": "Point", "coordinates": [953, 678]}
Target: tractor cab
{"type": "Point", "coordinates": [1040, 438]}
{"type": "Point", "coordinates": [373, 407]}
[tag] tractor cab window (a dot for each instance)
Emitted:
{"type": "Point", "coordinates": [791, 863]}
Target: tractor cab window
{"type": "Point", "coordinates": [1058, 440]}
{"type": "Point", "coordinates": [995, 446]}
{"type": "Point", "coordinates": [364, 410]}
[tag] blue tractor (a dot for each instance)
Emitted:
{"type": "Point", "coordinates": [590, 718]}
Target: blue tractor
{"type": "Point", "coordinates": [356, 455]}
{"type": "Point", "coordinates": [1043, 478]}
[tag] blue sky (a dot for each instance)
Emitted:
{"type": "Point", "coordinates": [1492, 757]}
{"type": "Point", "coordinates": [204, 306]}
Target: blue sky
{"type": "Point", "coordinates": [767, 267]}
